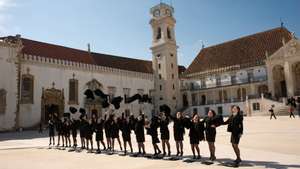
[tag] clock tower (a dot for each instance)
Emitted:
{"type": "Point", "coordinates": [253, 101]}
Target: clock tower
{"type": "Point", "coordinates": [164, 57]}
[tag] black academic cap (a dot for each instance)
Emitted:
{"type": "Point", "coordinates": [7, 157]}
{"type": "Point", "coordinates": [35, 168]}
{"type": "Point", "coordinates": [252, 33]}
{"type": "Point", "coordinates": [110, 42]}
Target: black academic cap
{"type": "Point", "coordinates": [116, 102]}
{"type": "Point", "coordinates": [73, 110]}
{"type": "Point", "coordinates": [82, 111]}
{"type": "Point", "coordinates": [100, 93]}
{"type": "Point", "coordinates": [89, 94]}
{"type": "Point", "coordinates": [133, 98]}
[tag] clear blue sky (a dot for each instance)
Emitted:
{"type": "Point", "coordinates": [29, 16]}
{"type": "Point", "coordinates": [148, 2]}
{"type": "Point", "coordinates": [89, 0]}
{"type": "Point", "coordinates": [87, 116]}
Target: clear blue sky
{"type": "Point", "coordinates": [121, 27]}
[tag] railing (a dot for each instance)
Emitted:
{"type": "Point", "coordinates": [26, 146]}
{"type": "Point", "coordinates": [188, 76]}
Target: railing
{"type": "Point", "coordinates": [234, 81]}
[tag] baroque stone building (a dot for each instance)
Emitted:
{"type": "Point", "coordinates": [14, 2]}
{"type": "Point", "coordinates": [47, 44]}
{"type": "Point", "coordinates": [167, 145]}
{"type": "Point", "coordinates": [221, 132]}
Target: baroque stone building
{"type": "Point", "coordinates": [254, 72]}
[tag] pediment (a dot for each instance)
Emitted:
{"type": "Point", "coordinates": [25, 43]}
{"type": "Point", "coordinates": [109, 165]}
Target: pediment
{"type": "Point", "coordinates": [289, 50]}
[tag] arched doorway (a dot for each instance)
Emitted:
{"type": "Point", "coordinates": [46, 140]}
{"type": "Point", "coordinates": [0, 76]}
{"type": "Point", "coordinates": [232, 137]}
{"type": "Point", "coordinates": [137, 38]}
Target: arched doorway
{"type": "Point", "coordinates": [203, 100]}
{"type": "Point", "coordinates": [296, 75]}
{"type": "Point", "coordinates": [185, 101]}
{"type": "Point", "coordinates": [93, 106]}
{"type": "Point", "coordinates": [53, 101]}
{"type": "Point", "coordinates": [279, 81]}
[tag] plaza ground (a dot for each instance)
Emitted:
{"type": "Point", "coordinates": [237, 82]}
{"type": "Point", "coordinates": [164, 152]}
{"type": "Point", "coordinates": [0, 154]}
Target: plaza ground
{"type": "Point", "coordinates": [265, 144]}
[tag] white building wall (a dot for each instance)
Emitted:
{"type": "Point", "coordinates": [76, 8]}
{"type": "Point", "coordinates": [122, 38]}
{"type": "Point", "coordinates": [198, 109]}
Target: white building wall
{"type": "Point", "coordinates": [8, 78]}
{"type": "Point", "coordinates": [45, 75]}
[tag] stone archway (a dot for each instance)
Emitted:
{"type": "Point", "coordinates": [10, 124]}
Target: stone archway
{"type": "Point", "coordinates": [279, 81]}
{"type": "Point", "coordinates": [296, 75]}
{"type": "Point", "coordinates": [54, 99]}
{"type": "Point", "coordinates": [94, 106]}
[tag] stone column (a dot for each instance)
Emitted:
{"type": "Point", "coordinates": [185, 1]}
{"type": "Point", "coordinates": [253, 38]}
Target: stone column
{"type": "Point", "coordinates": [288, 73]}
{"type": "Point", "coordinates": [270, 80]}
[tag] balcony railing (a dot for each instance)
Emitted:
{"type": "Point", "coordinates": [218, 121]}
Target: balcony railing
{"type": "Point", "coordinates": [234, 81]}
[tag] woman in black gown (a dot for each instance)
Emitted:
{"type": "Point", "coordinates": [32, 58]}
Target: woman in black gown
{"type": "Point", "coordinates": [211, 122]}
{"type": "Point", "coordinates": [99, 134]}
{"type": "Point", "coordinates": [165, 133]}
{"type": "Point", "coordinates": [126, 131]}
{"type": "Point", "coordinates": [235, 126]}
{"type": "Point", "coordinates": [140, 133]}
{"type": "Point", "coordinates": [178, 128]}
{"type": "Point", "coordinates": [152, 131]}
{"type": "Point", "coordinates": [115, 132]}
{"type": "Point", "coordinates": [107, 129]}
{"type": "Point", "coordinates": [196, 135]}
{"type": "Point", "coordinates": [51, 130]}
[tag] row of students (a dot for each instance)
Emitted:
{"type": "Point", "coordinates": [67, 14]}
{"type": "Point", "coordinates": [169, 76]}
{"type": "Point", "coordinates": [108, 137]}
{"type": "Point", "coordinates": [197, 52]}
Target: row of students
{"type": "Point", "coordinates": [199, 130]}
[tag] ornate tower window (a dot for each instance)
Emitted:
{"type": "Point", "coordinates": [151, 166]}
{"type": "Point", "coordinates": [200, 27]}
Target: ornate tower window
{"type": "Point", "coordinates": [27, 88]}
{"type": "Point", "coordinates": [2, 101]}
{"type": "Point", "coordinates": [158, 36]}
{"type": "Point", "coordinates": [169, 33]}
{"type": "Point", "coordinates": [73, 91]}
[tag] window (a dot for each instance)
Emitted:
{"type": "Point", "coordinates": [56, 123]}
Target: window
{"type": "Point", "coordinates": [174, 98]}
{"type": "Point", "coordinates": [73, 91]}
{"type": "Point", "coordinates": [171, 55]}
{"type": "Point", "coordinates": [169, 33]}
{"type": "Point", "coordinates": [256, 106]}
{"type": "Point", "coordinates": [127, 112]}
{"type": "Point", "coordinates": [161, 98]}
{"type": "Point", "coordinates": [140, 91]}
{"type": "Point", "coordinates": [220, 110]}
{"type": "Point", "coordinates": [159, 76]}
{"type": "Point", "coordinates": [158, 36]}
{"type": "Point", "coordinates": [172, 65]}
{"type": "Point", "coordinates": [27, 89]}
{"type": "Point", "coordinates": [126, 92]}
{"type": "Point", "coordinates": [173, 87]}
{"type": "Point", "coordinates": [159, 66]}
{"type": "Point", "coordinates": [160, 87]}
{"type": "Point", "coordinates": [111, 92]}
{"type": "Point", "coordinates": [172, 76]}
{"type": "Point", "coordinates": [2, 101]}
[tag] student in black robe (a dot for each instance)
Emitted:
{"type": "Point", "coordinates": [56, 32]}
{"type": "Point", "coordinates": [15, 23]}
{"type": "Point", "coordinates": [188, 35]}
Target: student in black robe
{"type": "Point", "coordinates": [196, 134]}
{"type": "Point", "coordinates": [59, 129]}
{"type": "Point", "coordinates": [107, 129]}
{"type": "Point", "coordinates": [165, 133]}
{"type": "Point", "coordinates": [82, 132]}
{"type": "Point", "coordinates": [99, 134]}
{"type": "Point", "coordinates": [211, 122]}
{"type": "Point", "coordinates": [152, 131]}
{"type": "Point", "coordinates": [89, 130]}
{"type": "Point", "coordinates": [51, 130]}
{"type": "Point", "coordinates": [126, 131]}
{"type": "Point", "coordinates": [178, 128]}
{"type": "Point", "coordinates": [74, 127]}
{"type": "Point", "coordinates": [235, 126]}
{"type": "Point", "coordinates": [66, 130]}
{"type": "Point", "coordinates": [115, 133]}
{"type": "Point", "coordinates": [140, 133]}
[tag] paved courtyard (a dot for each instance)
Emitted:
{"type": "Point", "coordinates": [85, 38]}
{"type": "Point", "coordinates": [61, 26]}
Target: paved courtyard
{"type": "Point", "coordinates": [265, 144]}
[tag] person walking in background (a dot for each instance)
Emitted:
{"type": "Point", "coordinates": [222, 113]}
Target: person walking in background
{"type": "Point", "coordinates": [51, 130]}
{"type": "Point", "coordinates": [272, 112]}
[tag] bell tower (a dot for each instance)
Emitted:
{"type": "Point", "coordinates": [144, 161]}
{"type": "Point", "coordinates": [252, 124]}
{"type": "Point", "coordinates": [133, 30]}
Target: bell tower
{"type": "Point", "coordinates": [164, 57]}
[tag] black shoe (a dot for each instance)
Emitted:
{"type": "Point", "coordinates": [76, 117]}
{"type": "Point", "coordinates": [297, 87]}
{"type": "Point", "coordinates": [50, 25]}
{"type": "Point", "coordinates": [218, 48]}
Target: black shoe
{"type": "Point", "coordinates": [238, 161]}
{"type": "Point", "coordinates": [177, 153]}
{"type": "Point", "coordinates": [199, 157]}
{"type": "Point", "coordinates": [169, 153]}
{"type": "Point", "coordinates": [181, 154]}
{"type": "Point", "coordinates": [164, 154]}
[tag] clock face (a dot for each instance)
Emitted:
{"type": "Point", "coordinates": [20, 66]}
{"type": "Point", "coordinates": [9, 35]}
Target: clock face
{"type": "Point", "coordinates": [156, 13]}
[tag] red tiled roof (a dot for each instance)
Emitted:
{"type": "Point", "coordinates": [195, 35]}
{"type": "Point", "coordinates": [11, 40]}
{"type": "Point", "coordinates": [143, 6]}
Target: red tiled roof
{"type": "Point", "coordinates": [42, 49]}
{"type": "Point", "coordinates": [247, 50]}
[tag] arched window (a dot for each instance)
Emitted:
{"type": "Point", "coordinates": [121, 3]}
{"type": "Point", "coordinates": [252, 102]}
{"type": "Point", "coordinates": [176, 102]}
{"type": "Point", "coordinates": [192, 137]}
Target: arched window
{"type": "Point", "coordinates": [2, 101]}
{"type": "Point", "coordinates": [73, 91]}
{"type": "Point", "coordinates": [169, 33]}
{"type": "Point", "coordinates": [27, 89]}
{"type": "Point", "coordinates": [158, 33]}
